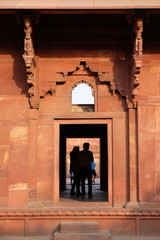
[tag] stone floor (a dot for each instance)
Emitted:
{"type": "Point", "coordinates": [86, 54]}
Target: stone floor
{"type": "Point", "coordinates": [98, 195]}
{"type": "Point", "coordinates": [113, 238]}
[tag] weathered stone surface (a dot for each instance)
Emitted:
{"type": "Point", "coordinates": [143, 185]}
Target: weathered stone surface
{"type": "Point", "coordinates": [82, 236]}
{"type": "Point", "coordinates": [13, 108]}
{"type": "Point", "coordinates": [70, 49]}
{"type": "Point", "coordinates": [79, 227]}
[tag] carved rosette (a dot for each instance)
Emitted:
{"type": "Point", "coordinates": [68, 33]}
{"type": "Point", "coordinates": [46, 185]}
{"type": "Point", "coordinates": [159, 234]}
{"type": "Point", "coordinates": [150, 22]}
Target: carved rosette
{"type": "Point", "coordinates": [137, 58]}
{"type": "Point", "coordinates": [30, 61]}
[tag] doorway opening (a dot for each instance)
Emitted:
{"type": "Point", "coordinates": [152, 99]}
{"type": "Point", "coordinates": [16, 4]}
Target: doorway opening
{"type": "Point", "coordinates": [75, 135]}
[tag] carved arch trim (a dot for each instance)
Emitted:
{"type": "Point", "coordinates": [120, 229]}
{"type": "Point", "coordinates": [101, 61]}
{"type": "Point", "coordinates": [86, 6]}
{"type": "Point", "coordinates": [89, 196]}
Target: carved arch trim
{"type": "Point", "coordinates": [85, 82]}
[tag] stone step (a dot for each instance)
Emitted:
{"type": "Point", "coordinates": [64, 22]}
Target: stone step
{"type": "Point", "coordinates": [79, 227]}
{"type": "Point", "coordinates": [82, 236]}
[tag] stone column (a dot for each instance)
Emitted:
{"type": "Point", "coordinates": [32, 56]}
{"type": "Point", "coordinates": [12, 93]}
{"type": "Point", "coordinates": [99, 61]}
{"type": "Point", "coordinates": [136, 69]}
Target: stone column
{"type": "Point", "coordinates": [133, 159]}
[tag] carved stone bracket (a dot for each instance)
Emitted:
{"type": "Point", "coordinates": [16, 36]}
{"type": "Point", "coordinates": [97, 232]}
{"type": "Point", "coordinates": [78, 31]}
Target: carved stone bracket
{"type": "Point", "coordinates": [137, 58]}
{"type": "Point", "coordinates": [30, 62]}
{"type": "Point", "coordinates": [104, 77]}
{"type": "Point", "coordinates": [48, 89]}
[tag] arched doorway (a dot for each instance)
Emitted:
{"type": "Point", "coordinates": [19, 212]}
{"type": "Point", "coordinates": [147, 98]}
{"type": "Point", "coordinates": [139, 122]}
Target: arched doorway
{"type": "Point", "coordinates": [78, 131]}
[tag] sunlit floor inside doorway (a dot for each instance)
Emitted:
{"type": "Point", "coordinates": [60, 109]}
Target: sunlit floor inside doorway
{"type": "Point", "coordinates": [98, 194]}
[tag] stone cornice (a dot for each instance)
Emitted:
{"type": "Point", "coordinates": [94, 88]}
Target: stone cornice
{"type": "Point", "coordinates": [87, 213]}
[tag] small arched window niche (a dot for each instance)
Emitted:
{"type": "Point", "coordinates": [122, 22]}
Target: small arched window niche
{"type": "Point", "coordinates": [82, 97]}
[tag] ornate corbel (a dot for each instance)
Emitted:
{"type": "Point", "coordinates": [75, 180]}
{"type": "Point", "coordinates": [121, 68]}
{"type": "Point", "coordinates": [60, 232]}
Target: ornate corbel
{"type": "Point", "coordinates": [104, 77]}
{"type": "Point", "coordinates": [137, 58]}
{"type": "Point", "coordinates": [30, 62]}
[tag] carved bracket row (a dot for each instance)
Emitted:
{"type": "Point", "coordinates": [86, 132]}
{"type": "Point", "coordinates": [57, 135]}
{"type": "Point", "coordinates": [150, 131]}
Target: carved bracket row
{"type": "Point", "coordinates": [84, 68]}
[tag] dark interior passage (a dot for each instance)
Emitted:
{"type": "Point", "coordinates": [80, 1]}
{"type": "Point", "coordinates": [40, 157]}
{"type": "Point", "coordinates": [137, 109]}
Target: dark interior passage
{"type": "Point", "coordinates": [84, 131]}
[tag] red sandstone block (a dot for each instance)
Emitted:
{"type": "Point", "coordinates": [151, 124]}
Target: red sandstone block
{"type": "Point", "coordinates": [14, 108]}
{"type": "Point", "coordinates": [113, 104]}
{"type": "Point", "coordinates": [78, 227]}
{"type": "Point", "coordinates": [147, 118]}
{"type": "Point", "coordinates": [45, 158]}
{"type": "Point", "coordinates": [84, 236]}
{"type": "Point", "coordinates": [119, 192]}
{"type": "Point", "coordinates": [4, 136]}
{"type": "Point", "coordinates": [18, 198]}
{"type": "Point", "coordinates": [103, 90]}
{"type": "Point", "coordinates": [12, 227]}
{"type": "Point", "coordinates": [45, 191]}
{"type": "Point", "coordinates": [55, 104]}
{"type": "Point", "coordinates": [147, 166]}
{"type": "Point", "coordinates": [157, 151]}
{"type": "Point", "coordinates": [4, 159]}
{"type": "Point", "coordinates": [14, 123]}
{"type": "Point", "coordinates": [119, 226]}
{"type": "Point", "coordinates": [12, 73]}
{"type": "Point", "coordinates": [3, 187]}
{"type": "Point", "coordinates": [157, 114]}
{"type": "Point", "coordinates": [3, 202]}
{"type": "Point", "coordinates": [146, 88]}
{"type": "Point", "coordinates": [150, 227]}
{"type": "Point", "coordinates": [18, 166]}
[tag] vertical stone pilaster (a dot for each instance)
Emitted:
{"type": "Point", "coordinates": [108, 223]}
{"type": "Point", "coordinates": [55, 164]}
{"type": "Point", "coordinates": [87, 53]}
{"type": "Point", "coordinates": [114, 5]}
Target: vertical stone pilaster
{"type": "Point", "coordinates": [133, 164]}
{"type": "Point", "coordinates": [32, 156]}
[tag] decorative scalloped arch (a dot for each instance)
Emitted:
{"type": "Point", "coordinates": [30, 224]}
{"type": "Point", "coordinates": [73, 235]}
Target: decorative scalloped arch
{"type": "Point", "coordinates": [88, 85]}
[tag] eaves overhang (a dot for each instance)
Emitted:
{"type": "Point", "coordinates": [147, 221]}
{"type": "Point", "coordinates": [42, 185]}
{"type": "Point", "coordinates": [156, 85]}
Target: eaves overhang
{"type": "Point", "coordinates": [79, 4]}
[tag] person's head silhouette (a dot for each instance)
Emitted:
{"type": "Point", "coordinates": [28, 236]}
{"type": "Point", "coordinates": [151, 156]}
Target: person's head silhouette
{"type": "Point", "coordinates": [86, 146]}
{"type": "Point", "coordinates": [75, 149]}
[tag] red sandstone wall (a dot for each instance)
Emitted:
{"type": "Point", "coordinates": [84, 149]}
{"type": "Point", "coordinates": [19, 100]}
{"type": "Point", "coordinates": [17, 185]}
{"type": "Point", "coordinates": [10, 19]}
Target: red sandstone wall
{"type": "Point", "coordinates": [26, 145]}
{"type": "Point", "coordinates": [14, 128]}
{"type": "Point", "coordinates": [51, 62]}
{"type": "Point", "coordinates": [148, 130]}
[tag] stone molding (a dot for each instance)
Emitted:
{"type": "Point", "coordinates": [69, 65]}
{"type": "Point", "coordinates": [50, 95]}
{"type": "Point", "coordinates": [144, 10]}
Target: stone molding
{"type": "Point", "coordinates": [34, 213]}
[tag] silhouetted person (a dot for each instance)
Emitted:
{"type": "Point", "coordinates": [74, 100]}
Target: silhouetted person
{"type": "Point", "coordinates": [74, 168]}
{"type": "Point", "coordinates": [85, 159]}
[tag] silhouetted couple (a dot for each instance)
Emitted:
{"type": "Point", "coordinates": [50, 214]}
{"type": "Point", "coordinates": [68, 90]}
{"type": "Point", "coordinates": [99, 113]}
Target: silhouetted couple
{"type": "Point", "coordinates": [81, 167]}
